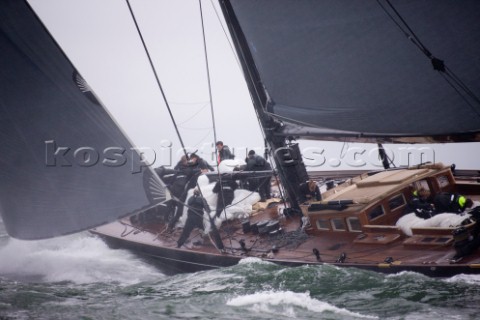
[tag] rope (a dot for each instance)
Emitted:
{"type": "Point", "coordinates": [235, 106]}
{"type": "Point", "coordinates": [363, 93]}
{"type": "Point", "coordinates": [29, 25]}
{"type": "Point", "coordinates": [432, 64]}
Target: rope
{"type": "Point", "coordinates": [163, 93]}
{"type": "Point", "coordinates": [226, 35]}
{"type": "Point", "coordinates": [289, 240]}
{"type": "Point", "coordinates": [212, 109]}
{"type": "Point", "coordinates": [195, 114]}
{"type": "Point", "coordinates": [452, 79]}
{"type": "Point", "coordinates": [281, 190]}
{"type": "Point", "coordinates": [208, 72]}
{"type": "Point", "coordinates": [212, 112]}
{"type": "Point", "coordinates": [156, 76]}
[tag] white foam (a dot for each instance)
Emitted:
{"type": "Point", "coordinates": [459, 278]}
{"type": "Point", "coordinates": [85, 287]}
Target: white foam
{"type": "Point", "coordinates": [266, 301]}
{"type": "Point", "coordinates": [253, 260]}
{"type": "Point", "coordinates": [78, 258]}
{"type": "Point", "coordinates": [471, 279]}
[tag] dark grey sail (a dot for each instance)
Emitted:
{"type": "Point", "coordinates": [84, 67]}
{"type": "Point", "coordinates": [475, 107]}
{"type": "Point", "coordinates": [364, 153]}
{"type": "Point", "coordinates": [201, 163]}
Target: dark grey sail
{"type": "Point", "coordinates": [389, 71]}
{"type": "Point", "coordinates": [65, 166]}
{"type": "Point", "coordinates": [365, 71]}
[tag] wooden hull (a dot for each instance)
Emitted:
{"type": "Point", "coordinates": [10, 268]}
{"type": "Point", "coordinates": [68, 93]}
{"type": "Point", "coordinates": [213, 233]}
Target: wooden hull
{"type": "Point", "coordinates": [338, 231]}
{"type": "Point", "coordinates": [178, 261]}
{"type": "Point", "coordinates": [161, 249]}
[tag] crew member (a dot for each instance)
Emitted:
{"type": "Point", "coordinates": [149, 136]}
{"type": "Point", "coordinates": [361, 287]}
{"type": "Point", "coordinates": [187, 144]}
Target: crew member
{"type": "Point", "coordinates": [223, 152]}
{"type": "Point", "coordinates": [451, 202]}
{"type": "Point", "coordinates": [189, 169]}
{"type": "Point", "coordinates": [421, 204]}
{"type": "Point", "coordinates": [200, 163]}
{"type": "Point", "coordinates": [225, 189]}
{"type": "Point", "coordinates": [309, 191]}
{"type": "Point", "coordinates": [196, 205]}
{"type": "Point", "coordinates": [258, 163]}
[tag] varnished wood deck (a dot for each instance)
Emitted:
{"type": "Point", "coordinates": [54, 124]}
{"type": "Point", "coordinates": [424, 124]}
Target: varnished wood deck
{"type": "Point", "coordinates": [290, 248]}
{"type": "Point", "coordinates": [378, 246]}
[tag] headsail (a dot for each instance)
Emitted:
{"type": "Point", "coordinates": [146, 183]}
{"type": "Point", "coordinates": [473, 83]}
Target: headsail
{"type": "Point", "coordinates": [65, 165]}
{"type": "Point", "coordinates": [363, 70]}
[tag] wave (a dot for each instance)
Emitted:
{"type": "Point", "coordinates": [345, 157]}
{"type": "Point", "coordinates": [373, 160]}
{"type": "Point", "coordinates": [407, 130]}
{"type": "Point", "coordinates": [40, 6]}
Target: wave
{"type": "Point", "coordinates": [269, 301]}
{"type": "Point", "coordinates": [470, 279]}
{"type": "Point", "coordinates": [79, 258]}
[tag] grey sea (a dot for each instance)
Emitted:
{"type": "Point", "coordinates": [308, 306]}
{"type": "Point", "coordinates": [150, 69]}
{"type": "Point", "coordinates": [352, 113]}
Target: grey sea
{"type": "Point", "coordinates": [79, 277]}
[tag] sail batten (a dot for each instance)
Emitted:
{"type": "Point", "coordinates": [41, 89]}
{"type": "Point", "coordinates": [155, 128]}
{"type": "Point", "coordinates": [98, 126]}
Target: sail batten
{"type": "Point", "coordinates": [345, 69]}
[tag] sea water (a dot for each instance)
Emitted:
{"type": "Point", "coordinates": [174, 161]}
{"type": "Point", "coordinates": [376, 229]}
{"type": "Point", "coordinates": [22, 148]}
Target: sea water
{"type": "Point", "coordinates": [79, 277]}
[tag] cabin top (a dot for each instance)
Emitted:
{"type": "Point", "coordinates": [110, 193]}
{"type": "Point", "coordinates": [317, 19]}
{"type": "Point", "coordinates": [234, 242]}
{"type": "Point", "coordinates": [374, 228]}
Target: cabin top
{"type": "Point", "coordinates": [367, 188]}
{"type": "Point", "coordinates": [374, 200]}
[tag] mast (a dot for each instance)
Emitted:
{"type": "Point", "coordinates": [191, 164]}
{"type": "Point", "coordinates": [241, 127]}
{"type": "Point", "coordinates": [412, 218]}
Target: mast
{"type": "Point", "coordinates": [286, 152]}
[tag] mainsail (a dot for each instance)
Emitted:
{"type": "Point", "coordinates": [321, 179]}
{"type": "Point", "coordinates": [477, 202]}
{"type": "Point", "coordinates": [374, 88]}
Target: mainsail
{"type": "Point", "coordinates": [65, 165]}
{"type": "Point", "coordinates": [375, 71]}
{"type": "Point", "coordinates": [362, 71]}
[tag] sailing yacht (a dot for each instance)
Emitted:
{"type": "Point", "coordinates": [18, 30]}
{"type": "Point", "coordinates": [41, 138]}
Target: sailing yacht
{"type": "Point", "coordinates": [380, 71]}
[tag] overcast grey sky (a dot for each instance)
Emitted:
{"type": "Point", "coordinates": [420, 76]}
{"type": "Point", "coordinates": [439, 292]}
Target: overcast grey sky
{"type": "Point", "coordinates": [100, 39]}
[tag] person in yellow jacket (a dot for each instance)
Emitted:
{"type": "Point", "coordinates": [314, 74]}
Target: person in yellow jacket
{"type": "Point", "coordinates": [451, 202]}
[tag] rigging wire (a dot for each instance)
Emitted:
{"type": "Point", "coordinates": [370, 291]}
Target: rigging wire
{"type": "Point", "coordinates": [195, 114]}
{"type": "Point", "coordinates": [383, 156]}
{"type": "Point", "coordinates": [208, 72]}
{"type": "Point", "coordinates": [196, 128]}
{"type": "Point", "coordinates": [190, 103]}
{"type": "Point", "coordinates": [166, 101]}
{"type": "Point", "coordinates": [452, 79]}
{"type": "Point", "coordinates": [235, 55]}
{"type": "Point", "coordinates": [237, 59]}
{"type": "Point", "coordinates": [212, 112]}
{"type": "Point", "coordinates": [157, 79]}
{"type": "Point", "coordinates": [210, 92]}
{"type": "Point", "coordinates": [226, 35]}
{"type": "Point", "coordinates": [197, 144]}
